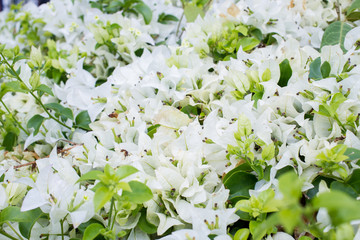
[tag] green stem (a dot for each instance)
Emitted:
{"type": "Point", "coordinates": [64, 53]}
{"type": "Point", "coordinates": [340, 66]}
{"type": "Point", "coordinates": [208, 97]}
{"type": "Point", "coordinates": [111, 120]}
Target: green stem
{"type": "Point", "coordinates": [340, 124]}
{"type": "Point", "coordinates": [62, 229]}
{"type": "Point", "coordinates": [38, 100]}
{"type": "Point", "coordinates": [337, 7]}
{"type": "Point", "coordinates": [111, 210]}
{"type": "Point", "coordinates": [16, 121]}
{"type": "Point", "coordinates": [14, 231]}
{"type": "Point", "coordinates": [113, 222]}
{"type": "Point", "coordinates": [7, 235]}
{"type": "Point", "coordinates": [178, 26]}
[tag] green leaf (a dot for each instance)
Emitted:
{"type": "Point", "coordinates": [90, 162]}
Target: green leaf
{"type": "Point", "coordinates": [242, 234]}
{"type": "Point", "coordinates": [139, 194]}
{"type": "Point", "coordinates": [152, 130]}
{"type": "Point", "coordinates": [325, 110]}
{"type": "Point", "coordinates": [260, 229]}
{"type": "Point", "coordinates": [341, 207]}
{"type": "Point", "coordinates": [35, 123]}
{"type": "Point", "coordinates": [354, 180]}
{"type": "Point", "coordinates": [191, 111]}
{"type": "Point", "coordinates": [244, 126]}
{"type": "Point", "coordinates": [14, 214]}
{"type": "Point", "coordinates": [191, 12]}
{"type": "Point", "coordinates": [45, 89]}
{"type": "Point", "coordinates": [336, 100]}
{"type": "Point", "coordinates": [61, 110]}
{"type": "Point", "coordinates": [290, 186]}
{"type": "Point", "coordinates": [102, 196]}
{"type": "Point", "coordinates": [290, 218]}
{"type": "Point", "coordinates": [256, 33]}
{"type": "Point", "coordinates": [315, 71]}
{"type": "Point", "coordinates": [353, 16]}
{"type": "Point", "coordinates": [34, 80]}
{"type": "Point", "coordinates": [305, 238]}
{"type": "Point", "coordinates": [124, 186]}
{"type": "Point", "coordinates": [353, 154]}
{"type": "Point", "coordinates": [15, 73]}
{"type": "Point", "coordinates": [26, 227]}
{"type": "Point", "coordinates": [164, 18]}
{"type": "Point", "coordinates": [13, 86]}
{"type": "Point", "coordinates": [268, 152]}
{"type": "Point", "coordinates": [266, 76]}
{"type": "Point", "coordinates": [92, 231]}
{"type": "Point", "coordinates": [145, 11]}
{"type": "Point", "coordinates": [92, 175]}
{"type": "Point", "coordinates": [144, 225]}
{"type": "Point", "coordinates": [36, 56]}
{"type": "Point", "coordinates": [248, 43]}
{"type": "Point", "coordinates": [2, 47]}
{"type": "Point", "coordinates": [83, 120]}
{"type": "Point", "coordinates": [82, 227]}
{"type": "Point", "coordinates": [18, 58]}
{"type": "Point", "coordinates": [335, 34]}
{"type": "Point", "coordinates": [285, 73]}
{"type": "Point", "coordinates": [10, 141]}
{"type": "Point", "coordinates": [312, 192]}
{"type": "Point", "coordinates": [245, 167]}
{"type": "Point", "coordinates": [325, 69]}
{"type": "Point", "coordinates": [124, 171]}
{"type": "Point", "coordinates": [353, 7]}
{"type": "Point", "coordinates": [343, 187]}
{"type": "Point", "coordinates": [239, 184]}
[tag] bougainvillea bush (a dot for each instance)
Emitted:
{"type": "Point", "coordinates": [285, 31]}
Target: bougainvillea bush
{"type": "Point", "coordinates": [188, 120]}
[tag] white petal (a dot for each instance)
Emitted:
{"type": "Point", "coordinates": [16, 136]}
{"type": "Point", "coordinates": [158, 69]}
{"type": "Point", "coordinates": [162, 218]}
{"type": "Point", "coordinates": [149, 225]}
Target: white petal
{"type": "Point", "coordinates": [77, 217]}
{"type": "Point", "coordinates": [33, 200]}
{"type": "Point", "coordinates": [282, 236]}
{"type": "Point", "coordinates": [166, 223]}
{"type": "Point", "coordinates": [3, 198]}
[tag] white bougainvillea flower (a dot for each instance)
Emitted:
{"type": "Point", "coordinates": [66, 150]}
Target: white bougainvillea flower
{"type": "Point", "coordinates": [351, 38]}
{"type": "Point", "coordinates": [3, 198]}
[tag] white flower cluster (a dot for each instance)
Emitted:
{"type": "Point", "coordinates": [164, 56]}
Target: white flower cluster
{"type": "Point", "coordinates": [163, 99]}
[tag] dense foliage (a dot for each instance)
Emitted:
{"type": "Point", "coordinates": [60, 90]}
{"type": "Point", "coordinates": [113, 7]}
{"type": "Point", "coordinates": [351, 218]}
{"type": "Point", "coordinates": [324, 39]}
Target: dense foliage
{"type": "Point", "coordinates": [190, 119]}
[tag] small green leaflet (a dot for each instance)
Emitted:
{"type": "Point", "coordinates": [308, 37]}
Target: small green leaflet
{"type": "Point", "coordinates": [343, 187]}
{"type": "Point", "coordinates": [144, 225]}
{"type": "Point", "coordinates": [152, 130]}
{"type": "Point", "coordinates": [353, 13]}
{"type": "Point", "coordinates": [92, 175]}
{"type": "Point", "coordinates": [165, 18]}
{"type": "Point", "coordinates": [35, 123]}
{"type": "Point", "coordinates": [101, 197]}
{"type": "Point", "coordinates": [125, 171]}
{"type": "Point", "coordinates": [239, 183]}
{"type": "Point", "coordinates": [83, 120]}
{"type": "Point", "coordinates": [25, 219]}
{"type": "Point", "coordinates": [335, 34]}
{"type": "Point", "coordinates": [61, 110]}
{"type": "Point", "coordinates": [92, 231]}
{"type": "Point", "coordinates": [145, 11]}
{"type": "Point", "coordinates": [18, 58]}
{"type": "Point", "coordinates": [139, 194]}
{"type": "Point", "coordinates": [319, 71]}
{"type": "Point", "coordinates": [13, 86]}
{"type": "Point", "coordinates": [10, 141]}
{"type": "Point", "coordinates": [248, 43]}
{"type": "Point", "coordinates": [285, 73]}
{"type": "Point", "coordinates": [341, 207]}
{"type": "Point", "coordinates": [354, 180]}
{"type": "Point", "coordinates": [45, 89]}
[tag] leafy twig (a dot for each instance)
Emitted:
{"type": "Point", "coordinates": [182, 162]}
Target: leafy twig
{"type": "Point", "coordinates": [15, 120]}
{"type": "Point", "coordinates": [38, 100]}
